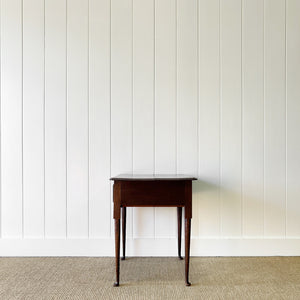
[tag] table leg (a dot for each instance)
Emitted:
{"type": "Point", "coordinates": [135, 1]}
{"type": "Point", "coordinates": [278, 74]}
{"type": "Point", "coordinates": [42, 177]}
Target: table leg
{"type": "Point", "coordinates": [179, 224]}
{"type": "Point", "coordinates": [187, 249]}
{"type": "Point", "coordinates": [117, 250]}
{"type": "Point", "coordinates": [124, 231]}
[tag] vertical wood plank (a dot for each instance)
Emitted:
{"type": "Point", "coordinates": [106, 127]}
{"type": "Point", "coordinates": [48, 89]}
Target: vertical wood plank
{"type": "Point", "coordinates": [121, 91]}
{"type": "Point", "coordinates": [275, 110]}
{"type": "Point", "coordinates": [11, 119]}
{"type": "Point", "coordinates": [253, 118]}
{"type": "Point", "coordinates": [293, 120]}
{"type": "Point", "coordinates": [209, 121]}
{"type": "Point", "coordinates": [55, 118]}
{"type": "Point", "coordinates": [33, 117]}
{"type": "Point", "coordinates": [165, 105]}
{"type": "Point", "coordinates": [143, 105]}
{"type": "Point", "coordinates": [187, 97]}
{"type": "Point", "coordinates": [77, 118]}
{"type": "Point", "coordinates": [230, 119]}
{"type": "Point", "coordinates": [99, 112]}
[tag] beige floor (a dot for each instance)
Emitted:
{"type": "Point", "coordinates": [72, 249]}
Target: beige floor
{"type": "Point", "coordinates": [150, 278]}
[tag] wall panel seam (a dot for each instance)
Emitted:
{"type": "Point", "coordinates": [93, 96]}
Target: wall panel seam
{"type": "Point", "coordinates": [22, 121]}
{"type": "Point", "coordinates": [198, 89]}
{"type": "Point", "coordinates": [286, 120]}
{"type": "Point", "coordinates": [176, 86]}
{"type": "Point", "coordinates": [1, 214]}
{"type": "Point", "coordinates": [132, 103]}
{"type": "Point", "coordinates": [88, 117]}
{"type": "Point", "coordinates": [264, 124]}
{"type": "Point", "coordinates": [132, 87]}
{"type": "Point", "coordinates": [220, 121]}
{"type": "Point", "coordinates": [44, 121]}
{"type": "Point", "coordinates": [242, 118]}
{"type": "Point", "coordinates": [66, 119]}
{"type": "Point", "coordinates": [154, 100]}
{"type": "Point", "coordinates": [198, 104]}
{"type": "Point", "coordinates": [110, 193]}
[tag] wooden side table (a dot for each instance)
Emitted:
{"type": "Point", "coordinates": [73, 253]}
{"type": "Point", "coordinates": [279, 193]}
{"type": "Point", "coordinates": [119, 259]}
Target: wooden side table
{"type": "Point", "coordinates": [132, 190]}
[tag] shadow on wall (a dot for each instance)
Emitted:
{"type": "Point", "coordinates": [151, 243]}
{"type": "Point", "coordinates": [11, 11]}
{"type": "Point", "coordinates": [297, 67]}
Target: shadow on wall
{"type": "Point", "coordinates": [219, 210]}
{"type": "Point", "coordinates": [204, 186]}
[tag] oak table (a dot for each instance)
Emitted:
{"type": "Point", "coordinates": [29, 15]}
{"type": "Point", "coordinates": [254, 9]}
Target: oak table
{"type": "Point", "coordinates": [134, 190]}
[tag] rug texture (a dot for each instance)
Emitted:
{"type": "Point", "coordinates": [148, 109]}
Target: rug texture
{"type": "Point", "coordinates": [150, 278]}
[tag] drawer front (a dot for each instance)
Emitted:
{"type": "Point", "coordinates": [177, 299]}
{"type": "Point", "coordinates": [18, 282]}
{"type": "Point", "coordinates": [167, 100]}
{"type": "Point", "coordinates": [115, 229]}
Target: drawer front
{"type": "Point", "coordinates": [153, 193]}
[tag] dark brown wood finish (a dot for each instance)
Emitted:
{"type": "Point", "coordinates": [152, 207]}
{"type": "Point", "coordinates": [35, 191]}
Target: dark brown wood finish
{"type": "Point", "coordinates": [152, 191]}
{"type": "Point", "coordinates": [124, 231]}
{"type": "Point", "coordinates": [117, 251]}
{"type": "Point", "coordinates": [179, 224]}
{"type": "Point", "coordinates": [187, 250]}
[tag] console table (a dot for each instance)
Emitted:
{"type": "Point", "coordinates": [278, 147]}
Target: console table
{"type": "Point", "coordinates": [132, 190]}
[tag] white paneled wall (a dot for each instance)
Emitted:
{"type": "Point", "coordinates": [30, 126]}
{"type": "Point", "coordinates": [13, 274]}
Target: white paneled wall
{"type": "Point", "coordinates": [55, 118]}
{"type": "Point", "coordinates": [253, 110]}
{"type": "Point", "coordinates": [93, 88]}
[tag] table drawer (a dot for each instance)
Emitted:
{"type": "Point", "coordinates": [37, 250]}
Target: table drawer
{"type": "Point", "coordinates": [152, 193]}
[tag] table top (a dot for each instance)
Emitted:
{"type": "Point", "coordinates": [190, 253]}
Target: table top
{"type": "Point", "coordinates": [150, 177]}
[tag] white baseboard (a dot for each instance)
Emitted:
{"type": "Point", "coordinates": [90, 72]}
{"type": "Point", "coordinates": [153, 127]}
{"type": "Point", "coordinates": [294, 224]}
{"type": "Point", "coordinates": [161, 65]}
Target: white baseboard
{"type": "Point", "coordinates": [151, 247]}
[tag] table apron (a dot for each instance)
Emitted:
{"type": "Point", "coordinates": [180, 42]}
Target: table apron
{"type": "Point", "coordinates": [152, 193]}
